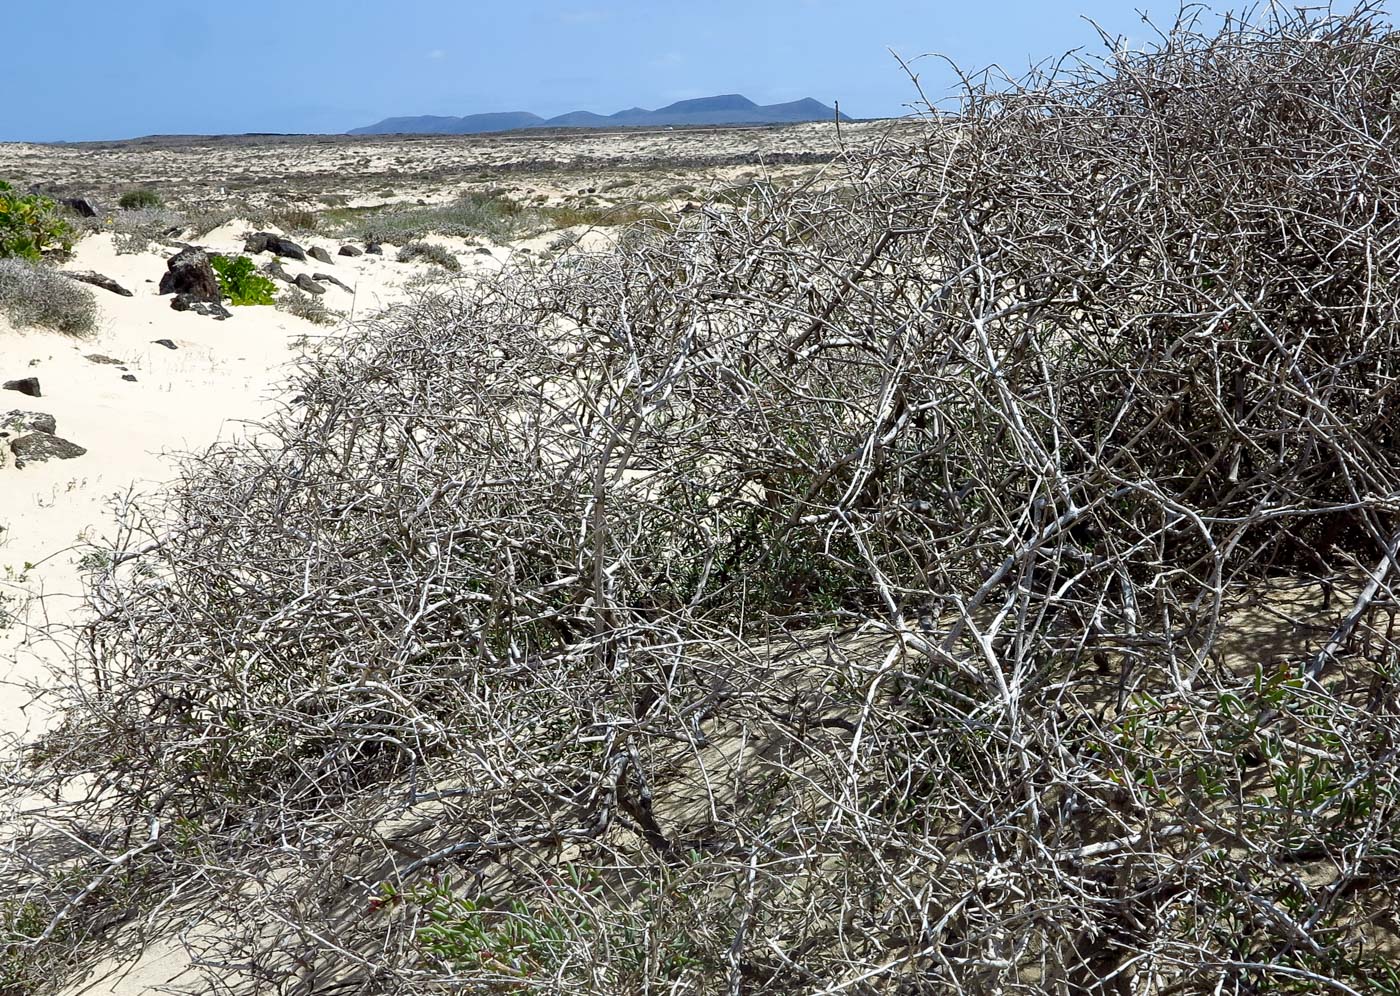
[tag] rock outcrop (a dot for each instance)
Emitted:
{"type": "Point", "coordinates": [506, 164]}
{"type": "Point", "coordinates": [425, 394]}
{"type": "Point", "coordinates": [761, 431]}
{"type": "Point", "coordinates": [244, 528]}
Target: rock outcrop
{"type": "Point", "coordinates": [188, 274]}
{"type": "Point", "coordinates": [210, 309]}
{"type": "Point", "coordinates": [25, 385]}
{"type": "Point", "coordinates": [31, 437]}
{"type": "Point", "coordinates": [275, 244]}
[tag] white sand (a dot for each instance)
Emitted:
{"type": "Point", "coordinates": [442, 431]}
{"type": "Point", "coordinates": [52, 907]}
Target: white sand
{"type": "Point", "coordinates": [221, 375]}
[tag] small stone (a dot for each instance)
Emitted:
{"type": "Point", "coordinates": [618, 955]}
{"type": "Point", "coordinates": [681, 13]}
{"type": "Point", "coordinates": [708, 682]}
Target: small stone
{"type": "Point", "coordinates": [374, 249]}
{"type": "Point", "coordinates": [317, 253]}
{"type": "Point", "coordinates": [167, 343]}
{"type": "Point", "coordinates": [130, 377]}
{"type": "Point", "coordinates": [351, 251]}
{"type": "Point", "coordinates": [273, 268]}
{"type": "Point", "coordinates": [97, 280]}
{"type": "Point", "coordinates": [328, 279]}
{"type": "Point", "coordinates": [101, 360]}
{"type": "Point", "coordinates": [309, 285]}
{"type": "Point", "coordinates": [25, 385]}
{"type": "Point", "coordinates": [483, 251]}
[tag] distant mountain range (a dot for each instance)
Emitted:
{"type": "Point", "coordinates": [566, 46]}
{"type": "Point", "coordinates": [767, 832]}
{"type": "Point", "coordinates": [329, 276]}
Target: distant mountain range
{"type": "Point", "coordinates": [726, 109]}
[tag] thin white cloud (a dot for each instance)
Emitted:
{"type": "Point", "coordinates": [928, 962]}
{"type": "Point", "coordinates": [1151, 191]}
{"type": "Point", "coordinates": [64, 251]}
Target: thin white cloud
{"type": "Point", "coordinates": [437, 55]}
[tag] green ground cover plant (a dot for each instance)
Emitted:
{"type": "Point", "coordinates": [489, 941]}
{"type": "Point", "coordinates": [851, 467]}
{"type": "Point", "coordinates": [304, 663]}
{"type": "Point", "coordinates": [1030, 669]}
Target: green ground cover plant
{"type": "Point", "coordinates": [241, 283]}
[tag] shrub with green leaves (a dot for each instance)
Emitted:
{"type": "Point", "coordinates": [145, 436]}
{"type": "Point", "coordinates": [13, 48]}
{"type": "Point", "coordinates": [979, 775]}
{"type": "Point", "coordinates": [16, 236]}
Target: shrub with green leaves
{"type": "Point", "coordinates": [136, 200]}
{"type": "Point", "coordinates": [241, 283]}
{"type": "Point", "coordinates": [30, 224]}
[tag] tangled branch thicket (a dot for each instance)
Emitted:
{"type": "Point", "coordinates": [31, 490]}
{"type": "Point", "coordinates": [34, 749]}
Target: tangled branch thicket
{"type": "Point", "coordinates": [972, 576]}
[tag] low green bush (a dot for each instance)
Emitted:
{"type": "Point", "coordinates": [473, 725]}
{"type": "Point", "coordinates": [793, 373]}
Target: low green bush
{"type": "Point", "coordinates": [30, 224]}
{"type": "Point", "coordinates": [241, 283]}
{"type": "Point", "coordinates": [135, 200]}
{"type": "Point", "coordinates": [31, 295]}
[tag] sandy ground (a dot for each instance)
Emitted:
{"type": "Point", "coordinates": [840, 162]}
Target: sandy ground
{"type": "Point", "coordinates": [219, 376]}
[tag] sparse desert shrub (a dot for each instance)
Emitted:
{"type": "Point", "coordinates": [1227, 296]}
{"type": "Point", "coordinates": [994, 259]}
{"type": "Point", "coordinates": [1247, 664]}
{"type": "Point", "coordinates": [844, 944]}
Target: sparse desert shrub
{"type": "Point", "coordinates": [908, 586]}
{"type": "Point", "coordinates": [426, 252]}
{"type": "Point", "coordinates": [495, 216]}
{"type": "Point", "coordinates": [141, 199]}
{"type": "Point", "coordinates": [33, 295]}
{"type": "Point", "coordinates": [30, 224]}
{"type": "Point", "coordinates": [597, 215]}
{"type": "Point", "coordinates": [241, 283]}
{"type": "Point", "coordinates": [295, 220]}
{"type": "Point", "coordinates": [307, 306]}
{"type": "Point", "coordinates": [134, 230]}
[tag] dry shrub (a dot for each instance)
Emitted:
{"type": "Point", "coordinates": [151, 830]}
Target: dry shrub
{"type": "Point", "coordinates": [307, 306]}
{"type": "Point", "coordinates": [426, 252]}
{"type": "Point", "coordinates": [848, 592]}
{"type": "Point", "coordinates": [31, 294]}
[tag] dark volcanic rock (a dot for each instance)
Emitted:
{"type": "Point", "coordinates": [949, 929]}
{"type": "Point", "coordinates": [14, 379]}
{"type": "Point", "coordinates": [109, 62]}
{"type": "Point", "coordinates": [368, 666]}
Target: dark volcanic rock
{"type": "Point", "coordinates": [190, 275]}
{"type": "Point", "coordinates": [210, 309]}
{"type": "Point", "coordinates": [167, 343]}
{"type": "Point", "coordinates": [18, 423]}
{"type": "Point", "coordinates": [309, 285]}
{"type": "Point", "coordinates": [317, 253]}
{"type": "Point", "coordinates": [97, 280]}
{"type": "Point", "coordinates": [326, 278]}
{"type": "Point", "coordinates": [102, 360]}
{"type": "Point", "coordinates": [25, 385]}
{"type": "Point", "coordinates": [351, 251]}
{"type": "Point", "coordinates": [80, 205]}
{"type": "Point", "coordinates": [374, 249]}
{"type": "Point", "coordinates": [273, 268]}
{"type": "Point", "coordinates": [274, 244]}
{"type": "Point", "coordinates": [130, 377]}
{"type": "Point", "coordinates": [37, 447]}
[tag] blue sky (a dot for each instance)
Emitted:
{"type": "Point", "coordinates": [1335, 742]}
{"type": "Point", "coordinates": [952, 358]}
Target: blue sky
{"type": "Point", "coordinates": [95, 69]}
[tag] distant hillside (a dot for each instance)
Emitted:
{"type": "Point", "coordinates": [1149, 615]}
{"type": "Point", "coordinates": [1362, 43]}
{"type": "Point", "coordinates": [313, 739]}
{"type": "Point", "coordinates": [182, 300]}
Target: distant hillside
{"type": "Point", "coordinates": [729, 108]}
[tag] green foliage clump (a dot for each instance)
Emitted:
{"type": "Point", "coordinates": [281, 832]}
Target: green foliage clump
{"type": "Point", "coordinates": [30, 224]}
{"type": "Point", "coordinates": [240, 283]}
{"type": "Point", "coordinates": [136, 200]}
